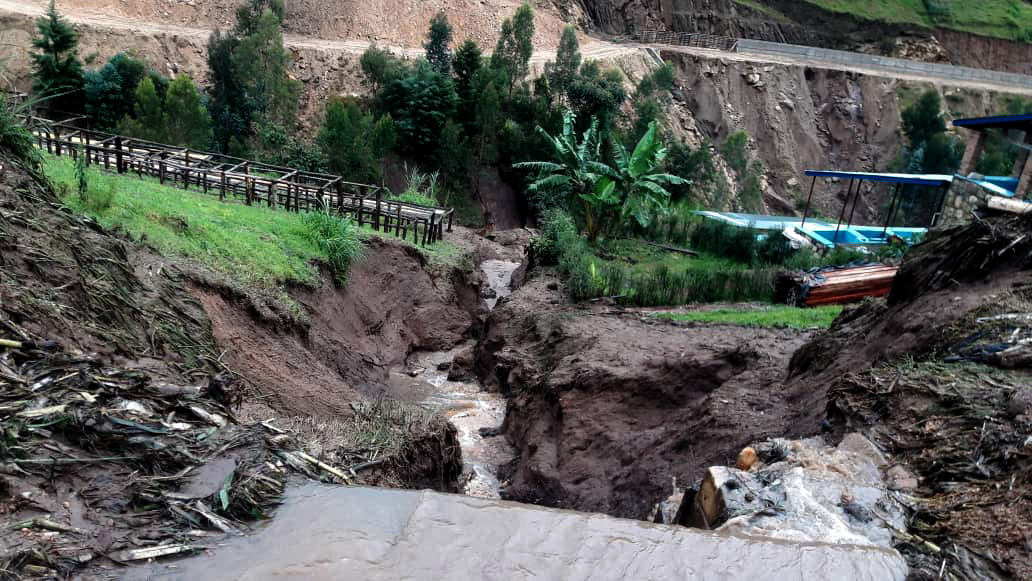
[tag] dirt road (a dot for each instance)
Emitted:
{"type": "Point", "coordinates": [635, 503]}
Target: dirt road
{"type": "Point", "coordinates": [593, 49]}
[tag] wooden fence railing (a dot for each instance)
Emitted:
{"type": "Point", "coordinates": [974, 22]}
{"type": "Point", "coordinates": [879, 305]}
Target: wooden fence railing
{"type": "Point", "coordinates": [244, 180]}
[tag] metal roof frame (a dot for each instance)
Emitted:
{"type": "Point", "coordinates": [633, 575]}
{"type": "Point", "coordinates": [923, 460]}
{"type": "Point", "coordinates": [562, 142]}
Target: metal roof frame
{"type": "Point", "coordinates": [1022, 122]}
{"type": "Point", "coordinates": [935, 180]}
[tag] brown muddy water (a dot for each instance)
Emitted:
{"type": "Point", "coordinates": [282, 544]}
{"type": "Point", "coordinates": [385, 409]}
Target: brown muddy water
{"type": "Point", "coordinates": [469, 408]}
{"type": "Point", "coordinates": [326, 532]}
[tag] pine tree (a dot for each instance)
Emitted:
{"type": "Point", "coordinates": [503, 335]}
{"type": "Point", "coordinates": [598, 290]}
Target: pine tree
{"type": "Point", "coordinates": [148, 120]}
{"type": "Point", "coordinates": [249, 14]}
{"type": "Point", "coordinates": [438, 49]}
{"type": "Point", "coordinates": [488, 119]}
{"type": "Point", "coordinates": [230, 112]}
{"type": "Point", "coordinates": [186, 121]}
{"type": "Point", "coordinates": [57, 70]}
{"type": "Point", "coordinates": [523, 35]}
{"type": "Point", "coordinates": [344, 140]}
{"type": "Point", "coordinates": [515, 45]}
{"type": "Point", "coordinates": [563, 71]}
{"type": "Point", "coordinates": [468, 62]}
{"type": "Point", "coordinates": [262, 65]}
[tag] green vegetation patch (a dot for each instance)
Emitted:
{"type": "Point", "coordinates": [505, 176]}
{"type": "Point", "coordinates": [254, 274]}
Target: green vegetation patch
{"type": "Point", "coordinates": [768, 10]}
{"type": "Point", "coordinates": [775, 316]}
{"type": "Point", "coordinates": [253, 245]}
{"type": "Point", "coordinates": [1010, 19]}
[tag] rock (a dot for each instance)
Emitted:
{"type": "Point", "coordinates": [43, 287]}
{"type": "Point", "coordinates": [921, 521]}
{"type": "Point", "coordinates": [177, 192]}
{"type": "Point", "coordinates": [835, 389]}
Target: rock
{"type": "Point", "coordinates": [1020, 402]}
{"type": "Point", "coordinates": [461, 365]}
{"type": "Point", "coordinates": [747, 458]}
{"type": "Point", "coordinates": [444, 365]}
{"type": "Point", "coordinates": [553, 285]}
{"type": "Point", "coordinates": [488, 293]}
{"type": "Point", "coordinates": [807, 491]}
{"type": "Point", "coordinates": [726, 493]}
{"type": "Point", "coordinates": [899, 478]}
{"type": "Point", "coordinates": [667, 510]}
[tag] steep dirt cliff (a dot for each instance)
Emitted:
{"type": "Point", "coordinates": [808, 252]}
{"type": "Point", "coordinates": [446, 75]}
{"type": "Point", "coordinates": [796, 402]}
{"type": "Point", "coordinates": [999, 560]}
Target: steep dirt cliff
{"type": "Point", "coordinates": [607, 409]}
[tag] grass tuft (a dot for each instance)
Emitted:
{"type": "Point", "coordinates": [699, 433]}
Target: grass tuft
{"type": "Point", "coordinates": [337, 238]}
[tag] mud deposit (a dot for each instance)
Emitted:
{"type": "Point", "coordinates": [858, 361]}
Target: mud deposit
{"type": "Point", "coordinates": [369, 533]}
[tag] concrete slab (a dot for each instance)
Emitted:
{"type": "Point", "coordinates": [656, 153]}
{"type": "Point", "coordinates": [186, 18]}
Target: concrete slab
{"type": "Point", "coordinates": [324, 532]}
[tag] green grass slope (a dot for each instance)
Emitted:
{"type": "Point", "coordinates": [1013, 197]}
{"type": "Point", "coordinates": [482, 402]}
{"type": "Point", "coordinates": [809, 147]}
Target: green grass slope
{"type": "Point", "coordinates": [1010, 19]}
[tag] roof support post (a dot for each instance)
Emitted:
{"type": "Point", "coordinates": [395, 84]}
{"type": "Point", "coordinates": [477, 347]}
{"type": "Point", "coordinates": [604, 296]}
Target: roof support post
{"type": "Point", "coordinates": [806, 211]}
{"type": "Point", "coordinates": [972, 153]}
{"type": "Point", "coordinates": [856, 200]}
{"type": "Point", "coordinates": [937, 216]}
{"type": "Point", "coordinates": [892, 208]}
{"type": "Point", "coordinates": [842, 214]}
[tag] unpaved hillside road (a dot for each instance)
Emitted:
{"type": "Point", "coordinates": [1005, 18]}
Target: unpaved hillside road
{"type": "Point", "coordinates": [593, 50]}
{"type": "Point", "coordinates": [597, 50]}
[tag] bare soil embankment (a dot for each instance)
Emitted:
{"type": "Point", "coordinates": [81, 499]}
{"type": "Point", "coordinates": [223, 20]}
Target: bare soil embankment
{"type": "Point", "coordinates": [938, 376]}
{"type": "Point", "coordinates": [607, 408]}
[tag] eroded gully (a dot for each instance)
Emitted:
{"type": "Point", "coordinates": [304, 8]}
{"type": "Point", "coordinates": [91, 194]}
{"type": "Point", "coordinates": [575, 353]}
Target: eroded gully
{"type": "Point", "coordinates": [473, 411]}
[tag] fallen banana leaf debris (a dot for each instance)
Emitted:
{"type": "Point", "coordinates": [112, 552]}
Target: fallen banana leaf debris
{"type": "Point", "coordinates": [102, 463]}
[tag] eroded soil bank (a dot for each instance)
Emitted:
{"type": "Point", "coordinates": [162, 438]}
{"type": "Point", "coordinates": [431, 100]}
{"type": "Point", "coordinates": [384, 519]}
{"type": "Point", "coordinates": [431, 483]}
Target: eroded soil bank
{"type": "Point", "coordinates": [608, 408]}
{"type": "Point", "coordinates": [938, 376]}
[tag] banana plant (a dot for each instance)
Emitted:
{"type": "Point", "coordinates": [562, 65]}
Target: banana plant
{"type": "Point", "coordinates": [636, 181]}
{"type": "Point", "coordinates": [577, 169]}
{"type": "Point", "coordinates": [634, 188]}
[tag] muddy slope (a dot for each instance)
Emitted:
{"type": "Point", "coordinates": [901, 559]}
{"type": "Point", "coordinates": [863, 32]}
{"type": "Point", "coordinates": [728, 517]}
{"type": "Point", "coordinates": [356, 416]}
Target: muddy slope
{"type": "Point", "coordinates": [938, 376]}
{"type": "Point", "coordinates": [606, 410]}
{"type": "Point", "coordinates": [798, 119]}
{"type": "Point", "coordinates": [795, 22]}
{"type": "Point", "coordinates": [62, 277]}
{"type": "Point", "coordinates": [393, 304]}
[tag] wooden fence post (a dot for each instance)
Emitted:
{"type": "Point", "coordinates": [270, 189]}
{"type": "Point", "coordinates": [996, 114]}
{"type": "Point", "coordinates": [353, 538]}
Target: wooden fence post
{"type": "Point", "coordinates": [119, 167]}
{"type": "Point", "coordinates": [57, 140]}
{"type": "Point", "coordinates": [222, 185]}
{"type": "Point", "coordinates": [376, 220]}
{"type": "Point", "coordinates": [86, 147]}
{"type": "Point", "coordinates": [340, 195]}
{"type": "Point", "coordinates": [361, 207]}
{"type": "Point", "coordinates": [161, 170]}
{"type": "Point", "coordinates": [397, 225]}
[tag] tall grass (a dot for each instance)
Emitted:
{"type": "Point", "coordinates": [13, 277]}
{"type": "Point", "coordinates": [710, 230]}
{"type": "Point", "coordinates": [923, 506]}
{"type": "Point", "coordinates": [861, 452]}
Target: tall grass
{"type": "Point", "coordinates": [15, 139]}
{"type": "Point", "coordinates": [646, 280]}
{"type": "Point", "coordinates": [337, 238]}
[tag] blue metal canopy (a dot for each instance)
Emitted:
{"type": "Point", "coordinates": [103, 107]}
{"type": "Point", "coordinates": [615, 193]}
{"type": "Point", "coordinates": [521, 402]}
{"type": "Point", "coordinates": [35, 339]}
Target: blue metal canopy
{"type": "Point", "coordinates": [1021, 122]}
{"type": "Point", "coordinates": [937, 180]}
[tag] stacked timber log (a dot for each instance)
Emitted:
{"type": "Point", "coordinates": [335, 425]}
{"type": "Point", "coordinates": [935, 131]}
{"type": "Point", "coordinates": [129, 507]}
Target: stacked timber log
{"type": "Point", "coordinates": [835, 286]}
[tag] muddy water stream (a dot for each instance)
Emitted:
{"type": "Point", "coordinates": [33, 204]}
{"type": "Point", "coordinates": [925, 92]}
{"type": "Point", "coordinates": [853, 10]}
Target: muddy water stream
{"type": "Point", "coordinates": [467, 405]}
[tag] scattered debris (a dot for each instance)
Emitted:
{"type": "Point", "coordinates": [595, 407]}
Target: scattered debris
{"type": "Point", "coordinates": [800, 490]}
{"type": "Point", "coordinates": [152, 463]}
